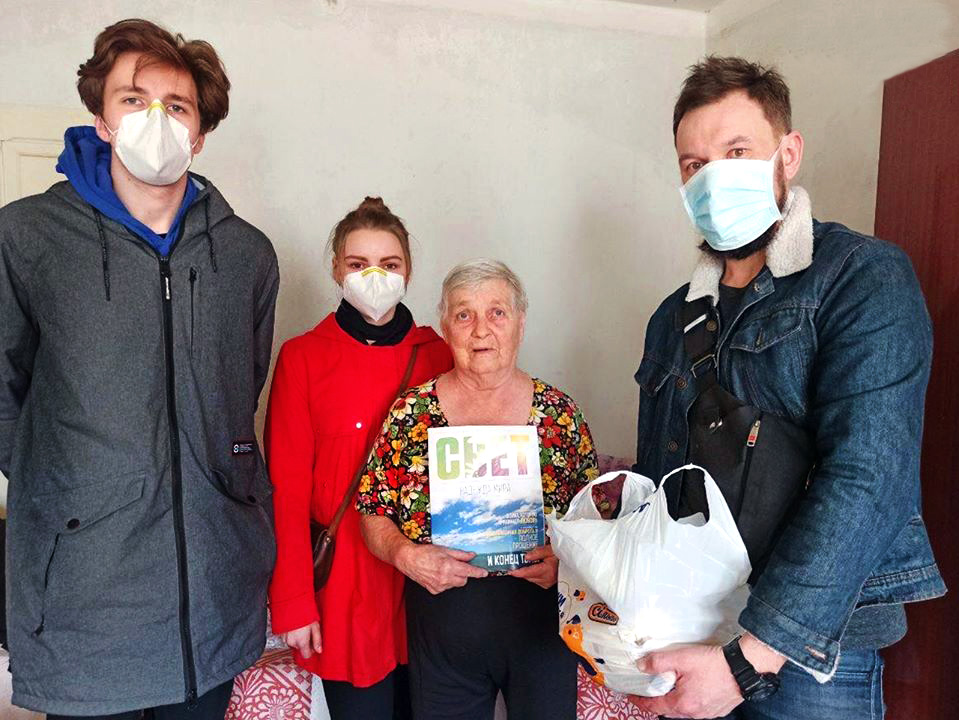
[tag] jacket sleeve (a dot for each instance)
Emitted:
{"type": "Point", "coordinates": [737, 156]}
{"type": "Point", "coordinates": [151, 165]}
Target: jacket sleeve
{"type": "Point", "coordinates": [19, 337]}
{"type": "Point", "coordinates": [263, 326]}
{"type": "Point", "coordinates": [290, 455]}
{"type": "Point", "coordinates": [868, 386]}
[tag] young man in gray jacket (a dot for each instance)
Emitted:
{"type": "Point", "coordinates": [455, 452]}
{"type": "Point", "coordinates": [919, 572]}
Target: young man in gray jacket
{"type": "Point", "coordinates": [136, 337]}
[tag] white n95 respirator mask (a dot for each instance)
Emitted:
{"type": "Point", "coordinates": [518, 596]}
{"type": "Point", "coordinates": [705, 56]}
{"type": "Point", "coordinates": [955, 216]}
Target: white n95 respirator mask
{"type": "Point", "coordinates": [154, 147]}
{"type": "Point", "coordinates": [373, 291]}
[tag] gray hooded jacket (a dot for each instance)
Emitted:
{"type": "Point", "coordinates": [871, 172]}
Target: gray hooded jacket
{"type": "Point", "coordinates": [140, 537]}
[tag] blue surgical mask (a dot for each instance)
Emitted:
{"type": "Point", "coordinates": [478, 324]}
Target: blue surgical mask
{"type": "Point", "coordinates": [732, 202]}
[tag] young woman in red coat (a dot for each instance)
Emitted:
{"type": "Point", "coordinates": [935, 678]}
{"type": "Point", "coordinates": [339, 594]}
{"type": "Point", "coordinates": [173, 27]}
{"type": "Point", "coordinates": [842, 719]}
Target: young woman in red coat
{"type": "Point", "coordinates": [332, 388]}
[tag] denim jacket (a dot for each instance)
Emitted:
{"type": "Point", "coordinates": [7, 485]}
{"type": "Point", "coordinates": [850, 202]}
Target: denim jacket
{"type": "Point", "coordinates": [834, 335]}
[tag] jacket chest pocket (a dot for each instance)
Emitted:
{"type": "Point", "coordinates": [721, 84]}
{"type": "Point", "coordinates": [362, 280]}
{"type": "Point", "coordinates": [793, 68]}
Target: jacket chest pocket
{"type": "Point", "coordinates": [217, 310]}
{"type": "Point", "coordinates": [188, 297]}
{"type": "Point", "coordinates": [772, 356]}
{"type": "Point", "coordinates": [651, 376]}
{"type": "Point", "coordinates": [657, 385]}
{"type": "Point", "coordinates": [194, 277]}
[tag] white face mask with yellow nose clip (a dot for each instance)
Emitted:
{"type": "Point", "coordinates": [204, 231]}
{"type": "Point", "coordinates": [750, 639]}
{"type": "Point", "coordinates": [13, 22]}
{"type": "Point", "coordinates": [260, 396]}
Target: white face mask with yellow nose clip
{"type": "Point", "coordinates": [373, 291]}
{"type": "Point", "coordinates": [154, 147]}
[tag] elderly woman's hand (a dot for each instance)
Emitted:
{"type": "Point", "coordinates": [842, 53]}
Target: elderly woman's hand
{"type": "Point", "coordinates": [542, 573]}
{"type": "Point", "coordinates": [437, 568]}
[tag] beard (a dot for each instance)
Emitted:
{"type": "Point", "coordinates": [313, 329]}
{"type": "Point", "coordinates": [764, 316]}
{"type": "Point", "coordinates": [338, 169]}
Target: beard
{"type": "Point", "coordinates": [762, 242]}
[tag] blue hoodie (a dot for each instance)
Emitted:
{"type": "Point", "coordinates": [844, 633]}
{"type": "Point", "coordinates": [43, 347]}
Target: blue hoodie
{"type": "Point", "coordinates": [85, 161]}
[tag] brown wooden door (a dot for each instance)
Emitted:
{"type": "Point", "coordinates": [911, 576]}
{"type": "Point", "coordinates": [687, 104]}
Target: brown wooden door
{"type": "Point", "coordinates": [917, 207]}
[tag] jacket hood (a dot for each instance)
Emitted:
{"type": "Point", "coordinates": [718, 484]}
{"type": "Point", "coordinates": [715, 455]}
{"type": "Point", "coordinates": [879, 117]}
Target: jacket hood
{"type": "Point", "coordinates": [85, 161]}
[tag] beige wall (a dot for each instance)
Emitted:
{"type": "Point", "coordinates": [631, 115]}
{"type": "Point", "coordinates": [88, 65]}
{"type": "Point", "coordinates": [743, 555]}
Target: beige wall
{"type": "Point", "coordinates": [835, 56]}
{"type": "Point", "coordinates": [536, 132]}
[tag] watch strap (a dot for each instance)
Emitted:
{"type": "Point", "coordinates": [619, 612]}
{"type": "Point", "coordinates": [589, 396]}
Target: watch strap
{"type": "Point", "coordinates": [752, 684]}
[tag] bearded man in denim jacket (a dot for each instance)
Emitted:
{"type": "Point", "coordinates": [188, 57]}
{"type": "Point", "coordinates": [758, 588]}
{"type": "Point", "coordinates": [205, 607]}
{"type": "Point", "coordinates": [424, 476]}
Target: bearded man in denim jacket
{"type": "Point", "coordinates": [828, 329]}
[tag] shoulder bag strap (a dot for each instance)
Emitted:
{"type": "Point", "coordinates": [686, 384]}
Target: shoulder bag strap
{"type": "Point", "coordinates": [355, 484]}
{"type": "Point", "coordinates": [700, 335]}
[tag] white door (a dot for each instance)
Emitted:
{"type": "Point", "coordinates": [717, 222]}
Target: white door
{"type": "Point", "coordinates": [31, 139]}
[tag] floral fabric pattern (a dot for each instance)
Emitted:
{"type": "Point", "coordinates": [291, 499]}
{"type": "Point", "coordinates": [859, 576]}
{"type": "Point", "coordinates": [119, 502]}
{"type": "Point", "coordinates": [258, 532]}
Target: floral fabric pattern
{"type": "Point", "coordinates": [396, 481]}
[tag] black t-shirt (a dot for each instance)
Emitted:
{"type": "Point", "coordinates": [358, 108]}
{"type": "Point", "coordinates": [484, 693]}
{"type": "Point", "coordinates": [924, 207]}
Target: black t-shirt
{"type": "Point", "coordinates": [730, 300]}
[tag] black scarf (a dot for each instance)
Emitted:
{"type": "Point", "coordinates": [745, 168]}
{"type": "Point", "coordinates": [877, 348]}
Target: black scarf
{"type": "Point", "coordinates": [356, 326]}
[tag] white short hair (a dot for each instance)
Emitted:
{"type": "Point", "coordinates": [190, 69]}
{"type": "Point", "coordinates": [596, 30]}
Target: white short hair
{"type": "Point", "coordinates": [474, 272]}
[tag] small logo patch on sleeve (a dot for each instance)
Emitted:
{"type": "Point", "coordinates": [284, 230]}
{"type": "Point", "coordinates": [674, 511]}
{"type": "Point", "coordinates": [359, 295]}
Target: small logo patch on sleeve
{"type": "Point", "coordinates": [243, 447]}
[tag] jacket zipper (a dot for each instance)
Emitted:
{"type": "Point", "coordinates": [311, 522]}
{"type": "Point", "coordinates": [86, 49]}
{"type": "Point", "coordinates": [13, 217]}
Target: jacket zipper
{"type": "Point", "coordinates": [753, 436]}
{"type": "Point", "coordinates": [192, 306]}
{"type": "Point", "coordinates": [46, 584]}
{"type": "Point", "coordinates": [184, 583]}
{"type": "Point", "coordinates": [751, 441]}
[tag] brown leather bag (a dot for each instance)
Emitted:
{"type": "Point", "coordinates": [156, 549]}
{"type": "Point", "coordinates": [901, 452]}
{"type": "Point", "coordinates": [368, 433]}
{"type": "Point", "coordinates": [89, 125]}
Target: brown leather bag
{"type": "Point", "coordinates": [322, 537]}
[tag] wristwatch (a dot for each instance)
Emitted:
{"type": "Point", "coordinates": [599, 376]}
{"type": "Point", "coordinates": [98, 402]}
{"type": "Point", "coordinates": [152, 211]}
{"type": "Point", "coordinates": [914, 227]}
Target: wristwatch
{"type": "Point", "coordinates": [753, 685]}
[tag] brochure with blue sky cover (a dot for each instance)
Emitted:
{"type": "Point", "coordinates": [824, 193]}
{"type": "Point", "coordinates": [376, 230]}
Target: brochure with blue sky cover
{"type": "Point", "coordinates": [486, 493]}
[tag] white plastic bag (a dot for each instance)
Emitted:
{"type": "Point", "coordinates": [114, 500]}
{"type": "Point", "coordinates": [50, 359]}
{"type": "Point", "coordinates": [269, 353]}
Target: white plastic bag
{"type": "Point", "coordinates": [643, 581]}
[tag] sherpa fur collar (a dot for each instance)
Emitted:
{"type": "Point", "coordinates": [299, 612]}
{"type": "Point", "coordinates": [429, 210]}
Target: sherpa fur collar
{"type": "Point", "coordinates": [789, 252]}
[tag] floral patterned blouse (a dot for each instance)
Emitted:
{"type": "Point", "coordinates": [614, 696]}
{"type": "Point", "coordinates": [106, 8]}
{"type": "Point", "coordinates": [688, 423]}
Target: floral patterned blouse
{"type": "Point", "coordinates": [396, 483]}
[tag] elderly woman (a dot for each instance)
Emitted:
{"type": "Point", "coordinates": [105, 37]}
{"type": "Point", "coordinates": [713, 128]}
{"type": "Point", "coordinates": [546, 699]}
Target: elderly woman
{"type": "Point", "coordinates": [471, 633]}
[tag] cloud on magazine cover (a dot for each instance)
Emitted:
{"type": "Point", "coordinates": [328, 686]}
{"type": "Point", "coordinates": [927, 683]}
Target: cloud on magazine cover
{"type": "Point", "coordinates": [463, 519]}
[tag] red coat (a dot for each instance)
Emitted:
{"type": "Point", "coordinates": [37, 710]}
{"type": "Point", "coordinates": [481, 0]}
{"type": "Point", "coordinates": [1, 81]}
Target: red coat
{"type": "Point", "coordinates": [330, 395]}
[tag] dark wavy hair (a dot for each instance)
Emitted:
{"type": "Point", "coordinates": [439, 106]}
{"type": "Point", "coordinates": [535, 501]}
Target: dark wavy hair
{"type": "Point", "coordinates": [712, 79]}
{"type": "Point", "coordinates": [157, 46]}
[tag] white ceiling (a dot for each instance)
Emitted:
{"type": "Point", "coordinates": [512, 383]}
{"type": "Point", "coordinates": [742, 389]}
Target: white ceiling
{"type": "Point", "coordinates": [700, 5]}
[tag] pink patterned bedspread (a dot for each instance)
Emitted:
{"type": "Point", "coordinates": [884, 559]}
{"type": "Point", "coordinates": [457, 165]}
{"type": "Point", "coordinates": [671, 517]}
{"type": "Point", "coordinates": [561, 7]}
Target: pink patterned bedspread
{"type": "Point", "coordinates": [275, 688]}
{"type": "Point", "coordinates": [596, 702]}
